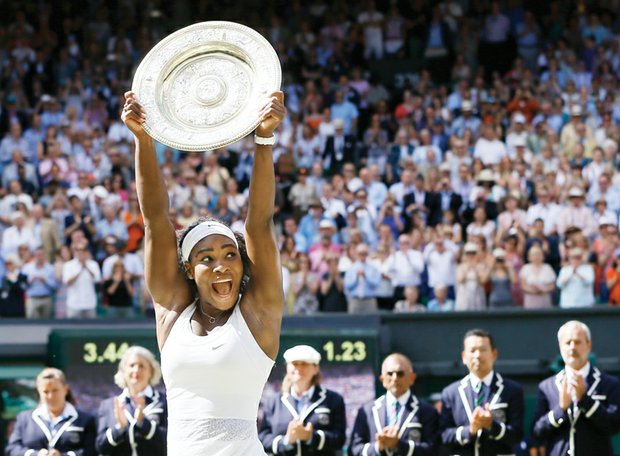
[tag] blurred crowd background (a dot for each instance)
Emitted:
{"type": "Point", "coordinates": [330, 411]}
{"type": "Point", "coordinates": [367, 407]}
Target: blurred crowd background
{"type": "Point", "coordinates": [438, 155]}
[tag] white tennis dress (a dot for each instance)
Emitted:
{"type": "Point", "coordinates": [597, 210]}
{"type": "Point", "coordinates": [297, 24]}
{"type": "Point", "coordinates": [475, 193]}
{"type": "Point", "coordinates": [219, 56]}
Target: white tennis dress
{"type": "Point", "coordinates": [214, 385]}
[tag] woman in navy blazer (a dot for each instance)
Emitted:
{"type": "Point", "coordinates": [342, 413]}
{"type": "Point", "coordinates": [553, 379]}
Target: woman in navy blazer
{"type": "Point", "coordinates": [306, 418]}
{"type": "Point", "coordinates": [55, 427]}
{"type": "Point", "coordinates": [134, 423]}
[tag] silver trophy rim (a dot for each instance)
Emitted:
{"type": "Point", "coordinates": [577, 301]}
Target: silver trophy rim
{"type": "Point", "coordinates": [272, 81]}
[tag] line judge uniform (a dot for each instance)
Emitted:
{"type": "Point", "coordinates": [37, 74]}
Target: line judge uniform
{"type": "Point", "coordinates": [505, 399]}
{"type": "Point", "coordinates": [72, 433]}
{"type": "Point", "coordinates": [417, 422]}
{"type": "Point", "coordinates": [585, 428]}
{"type": "Point", "coordinates": [323, 408]}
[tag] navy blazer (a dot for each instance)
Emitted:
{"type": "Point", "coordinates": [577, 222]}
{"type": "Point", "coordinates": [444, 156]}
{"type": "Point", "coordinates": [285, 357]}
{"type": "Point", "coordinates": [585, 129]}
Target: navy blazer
{"type": "Point", "coordinates": [326, 412]}
{"type": "Point", "coordinates": [147, 439]}
{"type": "Point", "coordinates": [418, 429]}
{"type": "Point", "coordinates": [506, 402]}
{"type": "Point", "coordinates": [75, 437]}
{"type": "Point", "coordinates": [588, 431]}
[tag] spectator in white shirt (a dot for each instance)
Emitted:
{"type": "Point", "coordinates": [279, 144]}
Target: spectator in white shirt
{"type": "Point", "coordinates": [488, 148]}
{"type": "Point", "coordinates": [406, 265]}
{"type": "Point", "coordinates": [546, 210]}
{"type": "Point", "coordinates": [16, 235]}
{"type": "Point", "coordinates": [80, 275]}
{"type": "Point", "coordinates": [576, 214]}
{"type": "Point", "coordinates": [440, 257]}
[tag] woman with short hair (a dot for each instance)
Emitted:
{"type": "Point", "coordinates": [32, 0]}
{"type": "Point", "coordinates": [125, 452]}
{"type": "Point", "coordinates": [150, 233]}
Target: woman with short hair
{"type": "Point", "coordinates": [134, 422]}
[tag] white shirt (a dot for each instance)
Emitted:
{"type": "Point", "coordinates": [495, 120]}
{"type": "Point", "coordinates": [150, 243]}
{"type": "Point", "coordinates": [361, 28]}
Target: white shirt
{"type": "Point", "coordinates": [490, 152]}
{"type": "Point", "coordinates": [474, 380]}
{"type": "Point", "coordinates": [12, 238]}
{"type": "Point", "coordinates": [81, 294]}
{"type": "Point", "coordinates": [133, 264]}
{"type": "Point", "coordinates": [548, 214]}
{"type": "Point", "coordinates": [441, 266]}
{"type": "Point", "coordinates": [406, 268]}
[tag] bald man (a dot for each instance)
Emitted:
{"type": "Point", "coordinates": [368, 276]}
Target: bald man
{"type": "Point", "coordinates": [578, 410]}
{"type": "Point", "coordinates": [397, 423]}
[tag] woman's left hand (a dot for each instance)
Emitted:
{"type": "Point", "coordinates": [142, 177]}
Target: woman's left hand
{"type": "Point", "coordinates": [271, 115]}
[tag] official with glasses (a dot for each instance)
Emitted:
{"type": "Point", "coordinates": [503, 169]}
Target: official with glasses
{"type": "Point", "coordinates": [397, 423]}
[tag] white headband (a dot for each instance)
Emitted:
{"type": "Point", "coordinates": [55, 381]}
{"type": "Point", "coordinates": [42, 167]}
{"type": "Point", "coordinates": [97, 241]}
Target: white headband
{"type": "Point", "coordinates": [200, 232]}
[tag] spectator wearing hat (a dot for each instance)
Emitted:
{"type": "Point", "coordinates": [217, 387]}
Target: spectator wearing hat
{"type": "Point", "coordinates": [471, 276]}
{"type": "Point", "coordinates": [309, 225]}
{"type": "Point", "coordinates": [576, 282]}
{"type": "Point", "coordinates": [466, 121]}
{"type": "Point", "coordinates": [12, 293]}
{"type": "Point", "coordinates": [397, 422]}
{"type": "Point", "coordinates": [41, 285]}
{"type": "Point", "coordinates": [518, 134]}
{"type": "Point", "coordinates": [305, 418]}
{"type": "Point", "coordinates": [576, 214]}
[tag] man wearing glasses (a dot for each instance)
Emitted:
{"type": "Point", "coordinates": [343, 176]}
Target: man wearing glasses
{"type": "Point", "coordinates": [397, 423]}
{"type": "Point", "coordinates": [482, 414]}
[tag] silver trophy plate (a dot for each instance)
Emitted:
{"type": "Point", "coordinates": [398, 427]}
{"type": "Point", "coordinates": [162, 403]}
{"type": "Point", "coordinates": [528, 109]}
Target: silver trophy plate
{"type": "Point", "coordinates": [202, 87]}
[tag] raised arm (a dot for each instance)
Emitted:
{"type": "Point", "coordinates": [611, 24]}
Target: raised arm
{"type": "Point", "coordinates": [262, 307]}
{"type": "Point", "coordinates": [164, 280]}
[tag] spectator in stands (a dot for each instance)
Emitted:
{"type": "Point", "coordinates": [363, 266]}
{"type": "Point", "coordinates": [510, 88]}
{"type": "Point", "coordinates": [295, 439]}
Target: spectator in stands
{"type": "Point", "coordinates": [135, 421]}
{"type": "Point", "coordinates": [41, 286]}
{"type": "Point", "coordinates": [471, 276]}
{"type": "Point", "coordinates": [410, 301]}
{"type": "Point", "coordinates": [576, 281]}
{"type": "Point", "coordinates": [118, 292]}
{"type": "Point", "coordinates": [612, 280]}
{"type": "Point", "coordinates": [55, 426]}
{"type": "Point", "coordinates": [305, 418]}
{"type": "Point", "coordinates": [304, 286]}
{"type": "Point", "coordinates": [81, 276]}
{"type": "Point", "coordinates": [397, 422]}
{"type": "Point", "coordinates": [501, 277]}
{"type": "Point", "coordinates": [537, 280]}
{"type": "Point", "coordinates": [46, 232]}
{"type": "Point", "coordinates": [578, 410]}
{"type": "Point", "coordinates": [14, 284]}
{"type": "Point", "coordinates": [483, 412]}
{"type": "Point", "coordinates": [441, 302]}
{"type": "Point", "coordinates": [17, 234]}
{"type": "Point", "coordinates": [340, 148]}
{"type": "Point", "coordinates": [361, 281]}
{"type": "Point", "coordinates": [331, 289]}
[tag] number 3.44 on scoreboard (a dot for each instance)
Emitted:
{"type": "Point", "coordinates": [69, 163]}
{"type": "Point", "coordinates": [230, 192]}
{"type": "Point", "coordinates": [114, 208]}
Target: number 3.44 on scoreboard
{"type": "Point", "coordinates": [103, 353]}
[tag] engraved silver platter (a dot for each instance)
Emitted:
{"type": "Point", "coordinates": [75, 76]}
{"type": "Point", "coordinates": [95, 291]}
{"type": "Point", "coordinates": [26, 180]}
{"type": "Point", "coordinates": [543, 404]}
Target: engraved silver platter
{"type": "Point", "coordinates": [202, 86]}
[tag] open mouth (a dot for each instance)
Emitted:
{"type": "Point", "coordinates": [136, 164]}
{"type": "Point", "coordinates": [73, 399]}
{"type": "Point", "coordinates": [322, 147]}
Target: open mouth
{"type": "Point", "coordinates": [222, 287]}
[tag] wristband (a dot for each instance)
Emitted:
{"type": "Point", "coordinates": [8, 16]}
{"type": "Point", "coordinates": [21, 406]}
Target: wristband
{"type": "Point", "coordinates": [262, 141]}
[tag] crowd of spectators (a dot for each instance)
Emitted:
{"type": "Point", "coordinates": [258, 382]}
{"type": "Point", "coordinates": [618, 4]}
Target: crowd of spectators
{"type": "Point", "coordinates": [484, 174]}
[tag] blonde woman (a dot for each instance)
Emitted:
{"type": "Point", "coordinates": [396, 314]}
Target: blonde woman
{"type": "Point", "coordinates": [537, 280]}
{"type": "Point", "coordinates": [134, 422]}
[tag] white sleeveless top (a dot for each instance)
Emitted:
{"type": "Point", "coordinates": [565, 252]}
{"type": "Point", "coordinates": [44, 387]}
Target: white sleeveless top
{"type": "Point", "coordinates": [213, 384]}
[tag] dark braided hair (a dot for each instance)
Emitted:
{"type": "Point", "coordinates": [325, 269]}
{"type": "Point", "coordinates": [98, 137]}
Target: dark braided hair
{"type": "Point", "coordinates": [242, 251]}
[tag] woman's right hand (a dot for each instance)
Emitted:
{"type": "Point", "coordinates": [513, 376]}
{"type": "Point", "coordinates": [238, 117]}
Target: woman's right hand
{"type": "Point", "coordinates": [133, 115]}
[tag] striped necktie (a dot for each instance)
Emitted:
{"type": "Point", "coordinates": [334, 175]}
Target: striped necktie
{"type": "Point", "coordinates": [479, 393]}
{"type": "Point", "coordinates": [395, 413]}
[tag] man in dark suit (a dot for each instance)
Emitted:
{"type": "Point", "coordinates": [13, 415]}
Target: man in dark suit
{"type": "Point", "coordinates": [339, 149]}
{"type": "Point", "coordinates": [578, 410]}
{"type": "Point", "coordinates": [397, 423]}
{"type": "Point", "coordinates": [449, 199]}
{"type": "Point", "coordinates": [420, 199]}
{"type": "Point", "coordinates": [482, 414]}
